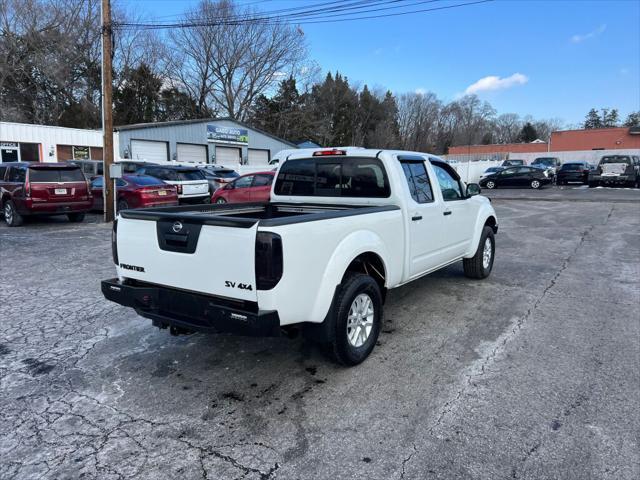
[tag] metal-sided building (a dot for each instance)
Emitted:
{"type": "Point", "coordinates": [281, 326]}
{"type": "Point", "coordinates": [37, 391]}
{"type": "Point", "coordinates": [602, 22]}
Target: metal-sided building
{"type": "Point", "coordinates": [217, 140]}
{"type": "Point", "coordinates": [43, 143]}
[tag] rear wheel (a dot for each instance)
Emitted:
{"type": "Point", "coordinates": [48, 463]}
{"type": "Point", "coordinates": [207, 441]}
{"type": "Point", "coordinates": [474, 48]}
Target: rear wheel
{"type": "Point", "coordinates": [535, 184]}
{"type": "Point", "coordinates": [490, 184]}
{"type": "Point", "coordinates": [357, 319]}
{"type": "Point", "coordinates": [593, 184]}
{"type": "Point", "coordinates": [480, 265]}
{"type": "Point", "coordinates": [11, 215]}
{"type": "Point", "coordinates": [75, 217]}
{"type": "Point", "coordinates": [220, 200]}
{"type": "Point", "coordinates": [122, 205]}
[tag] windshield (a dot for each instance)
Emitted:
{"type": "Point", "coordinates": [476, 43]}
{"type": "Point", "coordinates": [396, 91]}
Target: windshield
{"type": "Point", "coordinates": [55, 175]}
{"type": "Point", "coordinates": [221, 173]}
{"type": "Point", "coordinates": [493, 169]}
{"type": "Point", "coordinates": [616, 159]}
{"type": "Point", "coordinates": [543, 161]}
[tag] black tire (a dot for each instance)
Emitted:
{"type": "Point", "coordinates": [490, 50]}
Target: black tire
{"type": "Point", "coordinates": [561, 182]}
{"type": "Point", "coordinates": [220, 201]}
{"type": "Point", "coordinates": [341, 348]}
{"type": "Point", "coordinates": [474, 267]}
{"type": "Point", "coordinates": [593, 184]}
{"type": "Point", "coordinates": [11, 215]}
{"type": "Point", "coordinates": [122, 205]}
{"type": "Point", "coordinates": [75, 217]}
{"type": "Point", "coordinates": [490, 184]}
{"type": "Point", "coordinates": [536, 184]}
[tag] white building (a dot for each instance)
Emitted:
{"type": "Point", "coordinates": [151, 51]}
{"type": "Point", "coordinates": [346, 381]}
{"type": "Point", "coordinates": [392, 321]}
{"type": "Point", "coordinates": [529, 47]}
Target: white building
{"type": "Point", "coordinates": [42, 143]}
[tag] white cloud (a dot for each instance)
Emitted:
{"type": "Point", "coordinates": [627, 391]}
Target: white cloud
{"type": "Point", "coordinates": [493, 82]}
{"type": "Point", "coordinates": [581, 38]}
{"type": "Point", "coordinates": [420, 91]}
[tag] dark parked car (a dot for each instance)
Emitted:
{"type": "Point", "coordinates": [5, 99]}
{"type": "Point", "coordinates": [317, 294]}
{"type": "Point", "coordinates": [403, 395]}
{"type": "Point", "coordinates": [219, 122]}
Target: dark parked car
{"type": "Point", "coordinates": [254, 187]}
{"type": "Point", "coordinates": [190, 182]}
{"type": "Point", "coordinates": [43, 189]}
{"type": "Point", "coordinates": [90, 168]}
{"type": "Point", "coordinates": [136, 191]}
{"type": "Point", "coordinates": [218, 176]}
{"type": "Point", "coordinates": [573, 172]}
{"type": "Point", "coordinates": [550, 164]}
{"type": "Point", "coordinates": [132, 166]}
{"type": "Point", "coordinates": [623, 170]}
{"type": "Point", "coordinates": [516, 177]}
{"type": "Point", "coordinates": [513, 163]}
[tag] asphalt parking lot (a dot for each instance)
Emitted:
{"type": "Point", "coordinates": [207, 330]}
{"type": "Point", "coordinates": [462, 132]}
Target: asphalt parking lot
{"type": "Point", "coordinates": [532, 373]}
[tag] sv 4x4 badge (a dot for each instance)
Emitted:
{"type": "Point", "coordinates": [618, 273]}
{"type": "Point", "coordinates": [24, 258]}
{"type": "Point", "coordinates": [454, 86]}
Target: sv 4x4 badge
{"type": "Point", "coordinates": [241, 286]}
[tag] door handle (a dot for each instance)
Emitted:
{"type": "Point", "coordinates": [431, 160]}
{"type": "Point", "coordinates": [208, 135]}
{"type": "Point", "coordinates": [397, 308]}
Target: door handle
{"type": "Point", "coordinates": [447, 212]}
{"type": "Point", "coordinates": [415, 218]}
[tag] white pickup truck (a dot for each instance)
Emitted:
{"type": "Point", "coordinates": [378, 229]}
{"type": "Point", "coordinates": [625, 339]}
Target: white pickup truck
{"type": "Point", "coordinates": [342, 228]}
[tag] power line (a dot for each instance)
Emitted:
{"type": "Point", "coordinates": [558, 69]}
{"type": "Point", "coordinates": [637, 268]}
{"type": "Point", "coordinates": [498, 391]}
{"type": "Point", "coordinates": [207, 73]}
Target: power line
{"type": "Point", "coordinates": [309, 16]}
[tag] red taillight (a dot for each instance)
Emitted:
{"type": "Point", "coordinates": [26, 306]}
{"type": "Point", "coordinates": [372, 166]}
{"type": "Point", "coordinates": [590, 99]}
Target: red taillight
{"type": "Point", "coordinates": [27, 186]}
{"type": "Point", "coordinates": [179, 188]}
{"type": "Point", "coordinates": [324, 153]}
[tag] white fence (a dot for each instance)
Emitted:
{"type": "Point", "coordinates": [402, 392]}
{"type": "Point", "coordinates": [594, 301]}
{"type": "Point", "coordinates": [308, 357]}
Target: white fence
{"type": "Point", "coordinates": [470, 171]}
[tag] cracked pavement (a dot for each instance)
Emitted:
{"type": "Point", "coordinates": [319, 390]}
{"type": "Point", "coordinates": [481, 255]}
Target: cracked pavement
{"type": "Point", "coordinates": [532, 373]}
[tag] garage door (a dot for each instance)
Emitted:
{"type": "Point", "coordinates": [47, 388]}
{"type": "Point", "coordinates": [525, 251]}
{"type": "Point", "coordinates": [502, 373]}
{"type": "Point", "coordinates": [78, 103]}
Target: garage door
{"type": "Point", "coordinates": [192, 153]}
{"type": "Point", "coordinates": [228, 155]}
{"type": "Point", "coordinates": [258, 157]}
{"type": "Point", "coordinates": [149, 150]}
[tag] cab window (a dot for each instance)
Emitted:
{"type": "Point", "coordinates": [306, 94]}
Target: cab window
{"type": "Point", "coordinates": [449, 186]}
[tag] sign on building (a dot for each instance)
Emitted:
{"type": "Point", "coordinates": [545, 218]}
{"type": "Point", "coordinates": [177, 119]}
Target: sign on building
{"type": "Point", "coordinates": [227, 134]}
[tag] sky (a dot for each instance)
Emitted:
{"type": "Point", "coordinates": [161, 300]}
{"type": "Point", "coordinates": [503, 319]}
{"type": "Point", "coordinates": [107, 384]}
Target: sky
{"type": "Point", "coordinates": [548, 59]}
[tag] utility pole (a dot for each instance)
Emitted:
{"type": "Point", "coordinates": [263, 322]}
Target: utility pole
{"type": "Point", "coordinates": [107, 110]}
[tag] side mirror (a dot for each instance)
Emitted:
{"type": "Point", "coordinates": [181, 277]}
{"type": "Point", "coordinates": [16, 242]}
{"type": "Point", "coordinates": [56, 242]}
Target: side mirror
{"type": "Point", "coordinates": [473, 189]}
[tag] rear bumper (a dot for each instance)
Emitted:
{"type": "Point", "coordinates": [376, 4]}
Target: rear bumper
{"type": "Point", "coordinates": [169, 307]}
{"type": "Point", "coordinates": [611, 179]}
{"type": "Point", "coordinates": [32, 207]}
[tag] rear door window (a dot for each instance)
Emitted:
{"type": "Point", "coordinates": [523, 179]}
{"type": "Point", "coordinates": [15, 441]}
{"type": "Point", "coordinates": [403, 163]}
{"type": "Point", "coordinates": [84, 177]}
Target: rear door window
{"type": "Point", "coordinates": [333, 177]}
{"type": "Point", "coordinates": [17, 175]}
{"type": "Point", "coordinates": [418, 181]}
{"type": "Point", "coordinates": [243, 182]}
{"type": "Point", "coordinates": [262, 180]}
{"type": "Point", "coordinates": [3, 170]}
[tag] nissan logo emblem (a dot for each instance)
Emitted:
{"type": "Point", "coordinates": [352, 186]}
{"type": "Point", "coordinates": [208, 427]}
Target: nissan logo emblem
{"type": "Point", "coordinates": [177, 227]}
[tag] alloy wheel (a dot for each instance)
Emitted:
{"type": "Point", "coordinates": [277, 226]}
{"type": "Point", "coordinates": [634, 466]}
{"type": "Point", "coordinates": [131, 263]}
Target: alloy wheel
{"type": "Point", "coordinates": [360, 320]}
{"type": "Point", "coordinates": [8, 213]}
{"type": "Point", "coordinates": [487, 252]}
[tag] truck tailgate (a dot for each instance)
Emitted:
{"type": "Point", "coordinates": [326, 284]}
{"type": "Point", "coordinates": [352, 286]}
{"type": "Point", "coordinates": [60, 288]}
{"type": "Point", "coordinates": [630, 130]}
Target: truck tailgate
{"type": "Point", "coordinates": [169, 252]}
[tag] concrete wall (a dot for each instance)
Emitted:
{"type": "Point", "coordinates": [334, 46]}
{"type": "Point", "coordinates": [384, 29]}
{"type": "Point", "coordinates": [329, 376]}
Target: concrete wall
{"type": "Point", "coordinates": [196, 133]}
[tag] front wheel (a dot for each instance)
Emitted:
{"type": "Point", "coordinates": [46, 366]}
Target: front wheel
{"type": "Point", "coordinates": [357, 319]}
{"type": "Point", "coordinates": [480, 265]}
{"type": "Point", "coordinates": [490, 184]}
{"type": "Point", "coordinates": [535, 184]}
{"type": "Point", "coordinates": [220, 201]}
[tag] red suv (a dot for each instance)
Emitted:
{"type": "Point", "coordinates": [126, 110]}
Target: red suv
{"type": "Point", "coordinates": [43, 189]}
{"type": "Point", "coordinates": [254, 187]}
{"type": "Point", "coordinates": [136, 191]}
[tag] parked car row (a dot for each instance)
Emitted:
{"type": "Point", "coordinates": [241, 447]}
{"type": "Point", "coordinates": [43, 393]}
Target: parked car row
{"type": "Point", "coordinates": [612, 170]}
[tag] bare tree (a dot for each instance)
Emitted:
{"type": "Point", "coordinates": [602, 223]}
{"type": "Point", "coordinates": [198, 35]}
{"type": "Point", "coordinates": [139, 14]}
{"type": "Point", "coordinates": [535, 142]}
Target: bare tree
{"type": "Point", "coordinates": [506, 128]}
{"type": "Point", "coordinates": [226, 64]}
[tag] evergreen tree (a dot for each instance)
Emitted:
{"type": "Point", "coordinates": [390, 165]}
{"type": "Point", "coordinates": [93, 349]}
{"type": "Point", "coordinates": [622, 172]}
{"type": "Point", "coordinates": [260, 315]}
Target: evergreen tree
{"type": "Point", "coordinates": [528, 133]}
{"type": "Point", "coordinates": [633, 120]}
{"type": "Point", "coordinates": [592, 120]}
{"type": "Point", "coordinates": [137, 100]}
{"type": "Point", "coordinates": [610, 118]}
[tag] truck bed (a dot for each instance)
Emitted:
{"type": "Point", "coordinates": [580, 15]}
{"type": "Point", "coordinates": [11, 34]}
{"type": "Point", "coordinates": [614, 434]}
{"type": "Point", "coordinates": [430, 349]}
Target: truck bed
{"type": "Point", "coordinates": [248, 214]}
